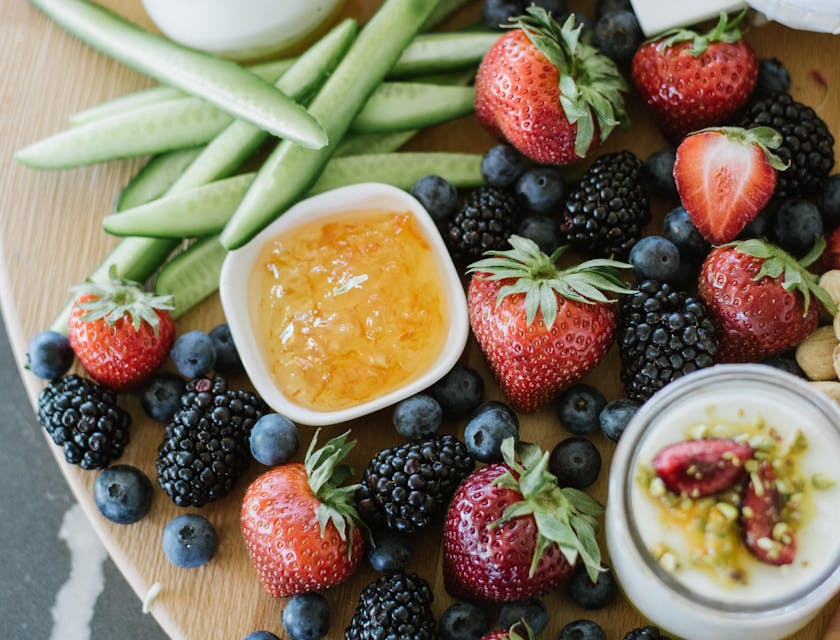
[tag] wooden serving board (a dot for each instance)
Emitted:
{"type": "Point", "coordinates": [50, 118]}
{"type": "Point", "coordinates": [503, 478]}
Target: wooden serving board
{"type": "Point", "coordinates": [51, 238]}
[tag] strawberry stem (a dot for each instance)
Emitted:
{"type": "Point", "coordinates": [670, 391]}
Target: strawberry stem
{"type": "Point", "coordinates": [725, 30]}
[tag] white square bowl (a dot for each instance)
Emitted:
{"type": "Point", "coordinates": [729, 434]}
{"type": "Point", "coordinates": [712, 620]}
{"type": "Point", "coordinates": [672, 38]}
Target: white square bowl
{"type": "Point", "coordinates": [234, 291]}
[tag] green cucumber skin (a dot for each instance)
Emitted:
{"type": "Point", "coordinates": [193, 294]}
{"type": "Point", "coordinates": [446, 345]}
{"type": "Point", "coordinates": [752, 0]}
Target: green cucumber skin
{"type": "Point", "coordinates": [438, 52]}
{"type": "Point", "coordinates": [223, 83]}
{"type": "Point", "coordinates": [401, 106]}
{"type": "Point", "coordinates": [155, 178]}
{"type": "Point", "coordinates": [356, 144]}
{"type": "Point", "coordinates": [192, 275]}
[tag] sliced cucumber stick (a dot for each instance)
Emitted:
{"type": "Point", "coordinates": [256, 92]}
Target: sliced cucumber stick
{"type": "Point", "coordinates": [437, 52]}
{"type": "Point", "coordinates": [401, 106]}
{"type": "Point", "coordinates": [192, 275]}
{"type": "Point", "coordinates": [155, 178]}
{"type": "Point", "coordinates": [355, 144]}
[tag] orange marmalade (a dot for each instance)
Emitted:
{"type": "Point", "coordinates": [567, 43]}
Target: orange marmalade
{"type": "Point", "coordinates": [348, 308]}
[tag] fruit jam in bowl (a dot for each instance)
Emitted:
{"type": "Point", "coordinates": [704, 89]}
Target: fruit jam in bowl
{"type": "Point", "coordinates": [347, 303]}
{"type": "Point", "coordinates": [723, 505]}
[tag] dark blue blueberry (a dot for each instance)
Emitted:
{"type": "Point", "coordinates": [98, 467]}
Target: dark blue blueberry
{"type": "Point", "coordinates": [50, 355]}
{"type": "Point", "coordinates": [618, 35]}
{"type": "Point", "coordinates": [193, 354]}
{"type": "Point", "coordinates": [495, 405]}
{"type": "Point", "coordinates": [796, 226]}
{"type": "Point", "coordinates": [459, 391]}
{"type": "Point", "coordinates": [540, 190]}
{"type": "Point", "coordinates": [542, 230]}
{"type": "Point", "coordinates": [582, 630]}
{"type": "Point", "coordinates": [486, 431]}
{"type": "Point", "coordinates": [437, 196]}
{"type": "Point", "coordinates": [592, 595]}
{"type": "Point", "coordinates": [501, 166]}
{"type": "Point", "coordinates": [496, 13]}
{"type": "Point", "coordinates": [603, 7]}
{"type": "Point", "coordinates": [227, 357]}
{"type": "Point", "coordinates": [532, 612]}
{"type": "Point", "coordinates": [123, 494]}
{"type": "Point", "coordinates": [306, 617]}
{"type": "Point", "coordinates": [189, 541]}
{"type": "Point", "coordinates": [615, 417]}
{"type": "Point", "coordinates": [390, 553]}
{"type": "Point", "coordinates": [655, 258]}
{"type": "Point", "coordinates": [758, 227]}
{"type": "Point", "coordinates": [274, 440]}
{"type": "Point", "coordinates": [828, 200]}
{"type": "Point", "coordinates": [659, 168]}
{"type": "Point", "coordinates": [772, 77]}
{"type": "Point", "coordinates": [463, 621]}
{"type": "Point", "coordinates": [575, 462]}
{"type": "Point", "coordinates": [161, 396]}
{"type": "Point", "coordinates": [579, 408]}
{"type": "Point", "coordinates": [418, 417]}
{"type": "Point", "coordinates": [261, 635]}
{"type": "Point", "coordinates": [785, 363]}
{"type": "Point", "coordinates": [679, 229]}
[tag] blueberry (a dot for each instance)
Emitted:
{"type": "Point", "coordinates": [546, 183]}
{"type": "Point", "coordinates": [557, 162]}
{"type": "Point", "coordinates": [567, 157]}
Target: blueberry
{"type": "Point", "coordinates": [50, 355]}
{"type": "Point", "coordinates": [592, 595]}
{"type": "Point", "coordinates": [532, 612]}
{"type": "Point", "coordinates": [227, 357]}
{"type": "Point", "coordinates": [679, 229]}
{"type": "Point", "coordinates": [796, 226]}
{"type": "Point", "coordinates": [274, 440]}
{"type": "Point", "coordinates": [655, 258]}
{"type": "Point", "coordinates": [193, 354]}
{"type": "Point", "coordinates": [499, 12]}
{"type": "Point", "coordinates": [659, 168]}
{"type": "Point", "coordinates": [582, 630]}
{"type": "Point", "coordinates": [603, 7]}
{"type": "Point", "coordinates": [495, 405]}
{"type": "Point", "coordinates": [123, 494]}
{"type": "Point", "coordinates": [758, 227]}
{"type": "Point", "coordinates": [418, 417]}
{"type": "Point", "coordinates": [772, 77]}
{"type": "Point", "coordinates": [541, 190]}
{"type": "Point", "coordinates": [828, 200]}
{"type": "Point", "coordinates": [306, 617]}
{"type": "Point", "coordinates": [615, 417]}
{"type": "Point", "coordinates": [463, 621]}
{"type": "Point", "coordinates": [459, 391]}
{"type": "Point", "coordinates": [486, 431]}
{"type": "Point", "coordinates": [617, 35]}
{"type": "Point", "coordinates": [189, 541]}
{"type": "Point", "coordinates": [390, 553]}
{"type": "Point", "coordinates": [261, 635]}
{"type": "Point", "coordinates": [542, 230]}
{"type": "Point", "coordinates": [501, 166]}
{"type": "Point", "coordinates": [575, 462]}
{"type": "Point", "coordinates": [437, 196]}
{"type": "Point", "coordinates": [161, 396]}
{"type": "Point", "coordinates": [785, 363]}
{"type": "Point", "coordinates": [579, 408]}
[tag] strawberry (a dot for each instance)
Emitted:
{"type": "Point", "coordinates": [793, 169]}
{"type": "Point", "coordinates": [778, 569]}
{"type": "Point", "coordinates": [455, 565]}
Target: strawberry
{"type": "Point", "coordinates": [300, 526]}
{"type": "Point", "coordinates": [518, 631]}
{"type": "Point", "coordinates": [761, 517]}
{"type": "Point", "coordinates": [831, 257]}
{"type": "Point", "coordinates": [540, 328]}
{"type": "Point", "coordinates": [554, 98]}
{"type": "Point", "coordinates": [698, 468]}
{"type": "Point", "coordinates": [725, 177]}
{"type": "Point", "coordinates": [691, 81]}
{"type": "Point", "coordinates": [759, 297]}
{"type": "Point", "coordinates": [511, 533]}
{"type": "Point", "coordinates": [119, 332]}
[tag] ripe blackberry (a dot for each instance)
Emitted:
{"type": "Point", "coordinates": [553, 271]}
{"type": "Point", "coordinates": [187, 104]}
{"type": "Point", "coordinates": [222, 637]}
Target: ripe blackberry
{"type": "Point", "coordinates": [205, 446]}
{"type": "Point", "coordinates": [83, 417]}
{"type": "Point", "coordinates": [606, 212]}
{"type": "Point", "coordinates": [646, 633]}
{"type": "Point", "coordinates": [663, 334]}
{"type": "Point", "coordinates": [806, 142]}
{"type": "Point", "coordinates": [487, 219]}
{"type": "Point", "coordinates": [403, 487]}
{"type": "Point", "coordinates": [394, 607]}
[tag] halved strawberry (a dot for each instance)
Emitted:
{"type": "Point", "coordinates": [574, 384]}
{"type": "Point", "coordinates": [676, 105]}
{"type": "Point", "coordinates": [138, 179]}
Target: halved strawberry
{"type": "Point", "coordinates": [725, 177]}
{"type": "Point", "coordinates": [764, 532]}
{"type": "Point", "coordinates": [700, 468]}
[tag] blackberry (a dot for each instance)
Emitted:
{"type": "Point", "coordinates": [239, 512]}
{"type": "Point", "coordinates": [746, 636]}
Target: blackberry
{"type": "Point", "coordinates": [486, 221]}
{"type": "Point", "coordinates": [606, 212]}
{"type": "Point", "coordinates": [404, 486]}
{"type": "Point", "coordinates": [646, 633]}
{"type": "Point", "coordinates": [806, 142]}
{"type": "Point", "coordinates": [394, 607]}
{"type": "Point", "coordinates": [663, 334]}
{"type": "Point", "coordinates": [83, 418]}
{"type": "Point", "coordinates": [205, 446]}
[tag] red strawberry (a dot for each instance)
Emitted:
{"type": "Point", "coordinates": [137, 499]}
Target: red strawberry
{"type": "Point", "coordinates": [700, 468]}
{"type": "Point", "coordinates": [519, 631]}
{"type": "Point", "coordinates": [541, 329]}
{"type": "Point", "coordinates": [831, 257]}
{"type": "Point", "coordinates": [725, 177]}
{"type": "Point", "coordinates": [759, 297]}
{"type": "Point", "coordinates": [120, 332]}
{"type": "Point", "coordinates": [511, 533]}
{"type": "Point", "coordinates": [691, 81]}
{"type": "Point", "coordinates": [554, 98]}
{"type": "Point", "coordinates": [761, 517]}
{"type": "Point", "coordinates": [300, 525]}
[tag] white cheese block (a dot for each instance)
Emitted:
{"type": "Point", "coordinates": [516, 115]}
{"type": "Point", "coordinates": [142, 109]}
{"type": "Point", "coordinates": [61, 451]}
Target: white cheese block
{"type": "Point", "coordinates": [656, 16]}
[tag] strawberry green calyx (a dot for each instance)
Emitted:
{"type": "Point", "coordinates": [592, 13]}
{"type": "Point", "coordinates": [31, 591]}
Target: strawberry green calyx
{"type": "Point", "coordinates": [765, 138]}
{"type": "Point", "coordinates": [520, 631]}
{"type": "Point", "coordinates": [778, 263]}
{"type": "Point", "coordinates": [589, 81]}
{"type": "Point", "coordinates": [564, 516]}
{"type": "Point", "coordinates": [538, 277]}
{"type": "Point", "coordinates": [115, 299]}
{"type": "Point", "coordinates": [725, 30]}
